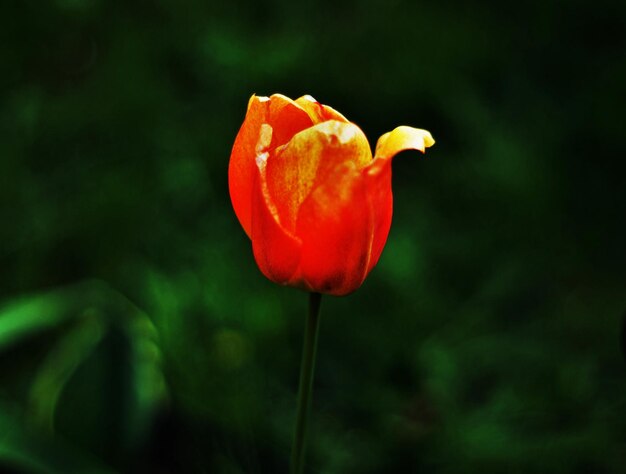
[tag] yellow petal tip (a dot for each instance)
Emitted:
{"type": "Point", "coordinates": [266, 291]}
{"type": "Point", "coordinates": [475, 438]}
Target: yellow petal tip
{"type": "Point", "coordinates": [403, 138]}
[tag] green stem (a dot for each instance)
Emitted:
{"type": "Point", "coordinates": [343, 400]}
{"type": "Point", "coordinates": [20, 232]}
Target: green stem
{"type": "Point", "coordinates": [307, 368]}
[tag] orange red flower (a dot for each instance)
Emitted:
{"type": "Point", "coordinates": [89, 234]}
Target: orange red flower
{"type": "Point", "coordinates": [307, 191]}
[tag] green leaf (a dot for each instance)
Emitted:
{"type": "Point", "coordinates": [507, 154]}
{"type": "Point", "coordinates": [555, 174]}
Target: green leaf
{"type": "Point", "coordinates": [100, 383]}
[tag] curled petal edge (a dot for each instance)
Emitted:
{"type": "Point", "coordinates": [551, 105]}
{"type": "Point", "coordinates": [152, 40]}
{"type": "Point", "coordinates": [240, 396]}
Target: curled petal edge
{"type": "Point", "coordinates": [378, 174]}
{"type": "Point", "coordinates": [319, 112]}
{"type": "Point", "coordinates": [403, 138]}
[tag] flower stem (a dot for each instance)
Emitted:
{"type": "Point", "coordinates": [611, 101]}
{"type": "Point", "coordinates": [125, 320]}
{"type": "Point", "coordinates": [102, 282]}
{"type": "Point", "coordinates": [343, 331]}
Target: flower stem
{"type": "Point", "coordinates": [307, 368]}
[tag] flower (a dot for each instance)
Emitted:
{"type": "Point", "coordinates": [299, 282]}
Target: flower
{"type": "Point", "coordinates": [307, 191]}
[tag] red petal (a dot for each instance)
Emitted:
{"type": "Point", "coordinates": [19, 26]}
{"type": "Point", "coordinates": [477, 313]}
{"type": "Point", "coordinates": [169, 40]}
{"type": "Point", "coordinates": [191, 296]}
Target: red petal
{"type": "Point", "coordinates": [335, 225]}
{"type": "Point", "coordinates": [241, 166]}
{"type": "Point", "coordinates": [276, 251]}
{"type": "Point", "coordinates": [380, 198]}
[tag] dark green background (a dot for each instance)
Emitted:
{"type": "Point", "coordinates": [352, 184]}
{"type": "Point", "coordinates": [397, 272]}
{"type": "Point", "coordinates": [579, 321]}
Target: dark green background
{"type": "Point", "coordinates": [137, 334]}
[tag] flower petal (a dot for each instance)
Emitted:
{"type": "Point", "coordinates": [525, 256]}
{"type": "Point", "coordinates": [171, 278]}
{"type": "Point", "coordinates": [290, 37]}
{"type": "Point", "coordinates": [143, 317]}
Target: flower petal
{"type": "Point", "coordinates": [378, 175]}
{"type": "Point", "coordinates": [294, 170]}
{"type": "Point", "coordinates": [241, 165]}
{"type": "Point", "coordinates": [276, 251]}
{"type": "Point", "coordinates": [403, 138]}
{"type": "Point", "coordinates": [380, 198]}
{"type": "Point", "coordinates": [286, 119]}
{"type": "Point", "coordinates": [319, 112]}
{"type": "Point", "coordinates": [335, 225]}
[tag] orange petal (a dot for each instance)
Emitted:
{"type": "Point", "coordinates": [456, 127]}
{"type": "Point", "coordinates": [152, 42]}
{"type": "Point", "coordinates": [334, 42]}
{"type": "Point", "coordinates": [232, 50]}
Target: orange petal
{"type": "Point", "coordinates": [335, 225]}
{"type": "Point", "coordinates": [403, 138]}
{"type": "Point", "coordinates": [294, 170]}
{"type": "Point", "coordinates": [286, 119]}
{"type": "Point", "coordinates": [319, 112]}
{"type": "Point", "coordinates": [276, 251]}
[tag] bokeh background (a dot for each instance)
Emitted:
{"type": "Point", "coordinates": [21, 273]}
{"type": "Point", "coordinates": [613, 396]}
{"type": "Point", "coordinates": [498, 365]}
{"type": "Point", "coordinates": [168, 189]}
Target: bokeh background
{"type": "Point", "coordinates": [137, 334]}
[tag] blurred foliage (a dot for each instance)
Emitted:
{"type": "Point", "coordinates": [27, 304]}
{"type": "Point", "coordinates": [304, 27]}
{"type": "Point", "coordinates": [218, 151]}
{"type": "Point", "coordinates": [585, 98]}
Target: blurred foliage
{"type": "Point", "coordinates": [137, 335]}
